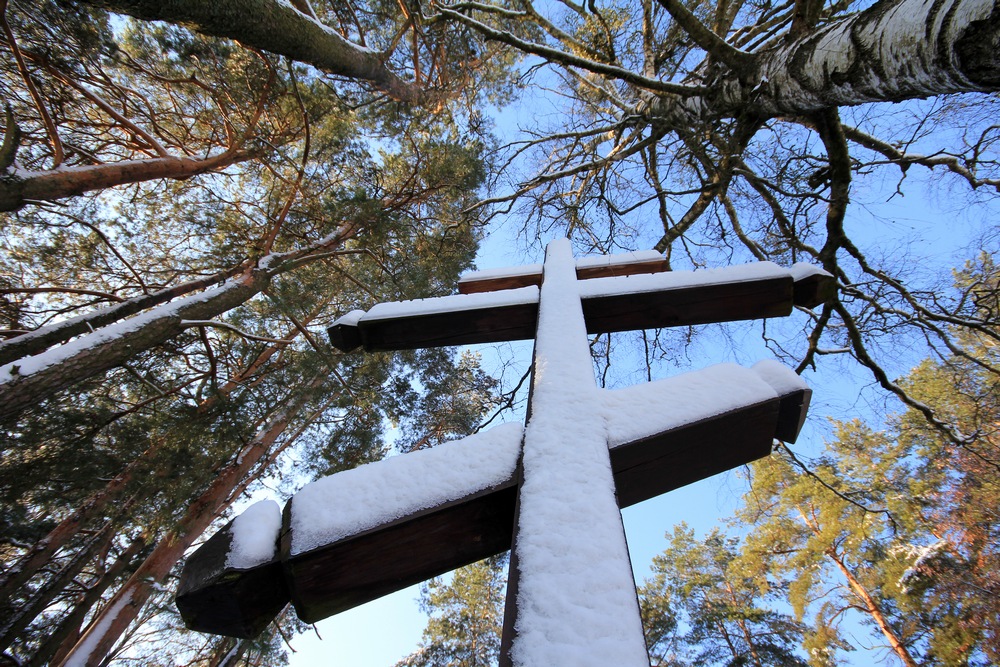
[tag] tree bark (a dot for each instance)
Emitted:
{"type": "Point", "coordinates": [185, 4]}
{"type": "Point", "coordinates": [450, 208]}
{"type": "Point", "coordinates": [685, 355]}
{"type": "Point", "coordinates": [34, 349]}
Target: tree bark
{"type": "Point", "coordinates": [21, 615]}
{"type": "Point", "coordinates": [27, 381]}
{"type": "Point", "coordinates": [123, 608]}
{"type": "Point", "coordinates": [45, 337]}
{"type": "Point", "coordinates": [64, 636]}
{"type": "Point", "coordinates": [19, 188]}
{"type": "Point", "coordinates": [40, 554]}
{"type": "Point", "coordinates": [873, 609]}
{"type": "Point", "coordinates": [277, 27]}
{"type": "Point", "coordinates": [893, 51]}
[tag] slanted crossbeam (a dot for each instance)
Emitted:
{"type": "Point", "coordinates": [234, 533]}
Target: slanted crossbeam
{"type": "Point", "coordinates": [327, 556]}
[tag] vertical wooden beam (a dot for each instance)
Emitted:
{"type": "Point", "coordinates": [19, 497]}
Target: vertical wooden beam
{"type": "Point", "coordinates": [568, 536]}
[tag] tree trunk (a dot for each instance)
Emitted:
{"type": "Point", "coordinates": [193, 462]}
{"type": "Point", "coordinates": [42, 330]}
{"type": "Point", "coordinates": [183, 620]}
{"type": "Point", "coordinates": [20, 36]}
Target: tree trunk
{"type": "Point", "coordinates": [124, 606]}
{"type": "Point", "coordinates": [895, 50]}
{"type": "Point", "coordinates": [62, 638]}
{"type": "Point", "coordinates": [27, 381]}
{"type": "Point", "coordinates": [45, 337]}
{"type": "Point", "coordinates": [21, 615]}
{"type": "Point", "coordinates": [18, 188]}
{"type": "Point", "coordinates": [873, 609]}
{"type": "Point", "coordinates": [275, 26]}
{"type": "Point", "coordinates": [41, 553]}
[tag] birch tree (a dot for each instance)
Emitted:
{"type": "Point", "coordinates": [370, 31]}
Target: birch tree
{"type": "Point", "coordinates": [723, 132]}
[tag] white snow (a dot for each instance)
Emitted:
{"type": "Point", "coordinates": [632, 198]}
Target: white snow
{"type": "Point", "coordinates": [350, 319]}
{"type": "Point", "coordinates": [576, 596]}
{"type": "Point", "coordinates": [801, 270]}
{"type": "Point", "coordinates": [646, 409]}
{"type": "Point", "coordinates": [57, 355]}
{"type": "Point", "coordinates": [371, 495]}
{"type": "Point", "coordinates": [80, 657]}
{"type": "Point", "coordinates": [621, 259]}
{"type": "Point", "coordinates": [502, 272]}
{"type": "Point", "coordinates": [781, 377]}
{"type": "Point", "coordinates": [444, 304]}
{"type": "Point", "coordinates": [922, 557]}
{"type": "Point", "coordinates": [653, 282]}
{"type": "Point", "coordinates": [255, 535]}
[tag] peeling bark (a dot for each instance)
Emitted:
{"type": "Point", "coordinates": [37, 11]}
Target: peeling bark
{"type": "Point", "coordinates": [895, 50]}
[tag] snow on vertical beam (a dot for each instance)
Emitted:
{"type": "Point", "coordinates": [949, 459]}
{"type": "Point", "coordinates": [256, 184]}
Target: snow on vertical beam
{"type": "Point", "coordinates": [576, 602]}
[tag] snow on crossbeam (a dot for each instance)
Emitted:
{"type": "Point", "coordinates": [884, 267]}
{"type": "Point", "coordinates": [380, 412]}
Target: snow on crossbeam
{"type": "Point", "coordinates": [674, 298]}
{"type": "Point", "coordinates": [378, 528]}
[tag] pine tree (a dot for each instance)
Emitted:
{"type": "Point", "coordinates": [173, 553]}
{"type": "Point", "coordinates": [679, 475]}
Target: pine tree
{"type": "Point", "coordinates": [705, 606]}
{"type": "Point", "coordinates": [466, 616]}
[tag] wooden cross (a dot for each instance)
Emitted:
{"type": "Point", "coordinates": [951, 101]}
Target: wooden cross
{"type": "Point", "coordinates": [552, 491]}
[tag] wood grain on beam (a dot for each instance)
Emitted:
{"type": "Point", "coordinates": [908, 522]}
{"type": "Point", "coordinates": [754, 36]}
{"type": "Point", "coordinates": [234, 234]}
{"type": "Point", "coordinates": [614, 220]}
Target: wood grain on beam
{"type": "Point", "coordinates": [701, 304]}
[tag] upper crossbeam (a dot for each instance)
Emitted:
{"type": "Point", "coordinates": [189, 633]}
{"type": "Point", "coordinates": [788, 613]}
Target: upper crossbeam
{"type": "Point", "coordinates": [610, 303]}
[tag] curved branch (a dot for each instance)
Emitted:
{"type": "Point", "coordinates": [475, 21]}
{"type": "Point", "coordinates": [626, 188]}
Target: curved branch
{"type": "Point", "coordinates": [739, 61]}
{"type": "Point", "coordinates": [60, 290]}
{"type": "Point", "coordinates": [563, 58]}
{"type": "Point", "coordinates": [187, 324]}
{"type": "Point", "coordinates": [23, 187]}
{"type": "Point", "coordinates": [50, 127]}
{"type": "Point", "coordinates": [904, 160]}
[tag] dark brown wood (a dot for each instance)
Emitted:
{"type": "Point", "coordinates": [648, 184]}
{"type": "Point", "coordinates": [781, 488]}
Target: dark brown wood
{"type": "Point", "coordinates": [458, 327]}
{"type": "Point", "coordinates": [345, 337]}
{"type": "Point", "coordinates": [651, 466]}
{"type": "Point", "coordinates": [527, 279]}
{"type": "Point", "coordinates": [367, 566]}
{"type": "Point", "coordinates": [792, 415]}
{"type": "Point", "coordinates": [701, 304]}
{"type": "Point", "coordinates": [227, 601]}
{"type": "Point", "coordinates": [363, 567]}
{"type": "Point", "coordinates": [534, 277]}
{"type": "Point", "coordinates": [814, 290]}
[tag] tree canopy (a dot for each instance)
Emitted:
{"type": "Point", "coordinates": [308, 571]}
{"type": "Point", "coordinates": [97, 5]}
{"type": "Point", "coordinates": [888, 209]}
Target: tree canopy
{"type": "Point", "coordinates": [192, 191]}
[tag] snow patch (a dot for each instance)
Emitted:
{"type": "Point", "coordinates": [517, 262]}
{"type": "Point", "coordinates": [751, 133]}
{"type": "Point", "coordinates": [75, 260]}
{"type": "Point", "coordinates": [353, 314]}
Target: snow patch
{"type": "Point", "coordinates": [444, 304]}
{"type": "Point", "coordinates": [255, 535]}
{"type": "Point", "coordinates": [371, 495]}
{"type": "Point", "coordinates": [576, 596]}
{"type": "Point", "coordinates": [502, 272]}
{"type": "Point", "coordinates": [801, 270]}
{"type": "Point", "coordinates": [620, 259]}
{"type": "Point", "coordinates": [80, 657]}
{"type": "Point", "coordinates": [29, 365]}
{"type": "Point", "coordinates": [654, 282]}
{"type": "Point", "coordinates": [781, 377]}
{"type": "Point", "coordinates": [646, 409]}
{"type": "Point", "coordinates": [350, 319]}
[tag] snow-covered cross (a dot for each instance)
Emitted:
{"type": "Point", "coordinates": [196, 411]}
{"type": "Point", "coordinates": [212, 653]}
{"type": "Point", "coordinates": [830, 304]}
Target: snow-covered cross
{"type": "Point", "coordinates": [551, 491]}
